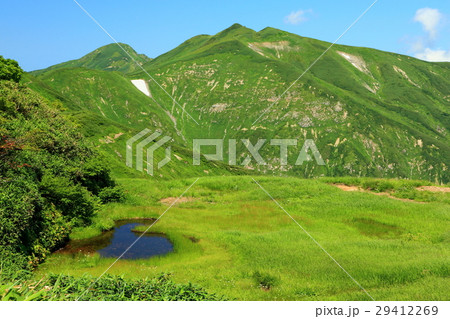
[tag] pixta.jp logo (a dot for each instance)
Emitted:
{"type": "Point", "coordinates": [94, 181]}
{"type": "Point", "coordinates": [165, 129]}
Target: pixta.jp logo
{"type": "Point", "coordinates": [150, 144]}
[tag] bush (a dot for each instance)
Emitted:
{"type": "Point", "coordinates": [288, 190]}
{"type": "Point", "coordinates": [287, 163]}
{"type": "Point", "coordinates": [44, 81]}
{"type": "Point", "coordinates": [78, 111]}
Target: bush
{"type": "Point", "coordinates": [49, 176]}
{"type": "Point", "coordinates": [73, 200]}
{"type": "Point", "coordinates": [13, 265]}
{"type": "Point", "coordinates": [94, 175]}
{"type": "Point", "coordinates": [264, 281]}
{"type": "Point", "coordinates": [18, 200]}
{"type": "Point", "coordinates": [10, 70]}
{"type": "Point", "coordinates": [107, 288]}
{"type": "Point", "coordinates": [111, 194]}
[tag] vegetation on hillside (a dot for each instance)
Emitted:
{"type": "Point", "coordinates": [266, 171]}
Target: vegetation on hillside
{"type": "Point", "coordinates": [50, 176]}
{"type": "Point", "coordinates": [107, 288]}
{"type": "Point", "coordinates": [10, 70]}
{"type": "Point", "coordinates": [371, 113]}
{"type": "Point", "coordinates": [109, 58]}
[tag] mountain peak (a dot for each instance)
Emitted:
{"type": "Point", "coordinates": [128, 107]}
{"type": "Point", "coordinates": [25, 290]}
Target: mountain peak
{"type": "Point", "coordinates": [235, 29]}
{"type": "Point", "coordinates": [236, 26]}
{"type": "Point", "coordinates": [110, 57]}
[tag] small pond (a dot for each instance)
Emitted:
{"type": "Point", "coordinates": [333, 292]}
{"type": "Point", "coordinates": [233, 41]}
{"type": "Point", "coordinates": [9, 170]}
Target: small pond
{"type": "Point", "coordinates": [114, 242]}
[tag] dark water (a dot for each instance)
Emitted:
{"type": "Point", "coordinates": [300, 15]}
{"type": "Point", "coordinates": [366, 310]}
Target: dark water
{"type": "Point", "coordinates": [113, 243]}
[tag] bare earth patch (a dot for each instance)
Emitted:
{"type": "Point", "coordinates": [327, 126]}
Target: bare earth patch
{"type": "Point", "coordinates": [347, 188]}
{"type": "Point", "coordinates": [170, 200]}
{"type": "Point", "coordinates": [434, 189]}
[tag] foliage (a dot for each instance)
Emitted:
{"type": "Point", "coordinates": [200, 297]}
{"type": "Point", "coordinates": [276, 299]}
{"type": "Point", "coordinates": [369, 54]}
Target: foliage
{"type": "Point", "coordinates": [264, 281]}
{"type": "Point", "coordinates": [61, 287]}
{"type": "Point", "coordinates": [10, 70]}
{"type": "Point", "coordinates": [400, 188]}
{"type": "Point", "coordinates": [111, 194]}
{"type": "Point", "coordinates": [49, 176]}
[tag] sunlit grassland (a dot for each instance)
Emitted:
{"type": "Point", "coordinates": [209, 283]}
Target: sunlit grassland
{"type": "Point", "coordinates": [232, 239]}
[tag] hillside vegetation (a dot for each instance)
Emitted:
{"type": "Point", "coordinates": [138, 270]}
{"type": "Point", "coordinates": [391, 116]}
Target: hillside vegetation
{"type": "Point", "coordinates": [106, 58]}
{"type": "Point", "coordinates": [51, 178]}
{"type": "Point", "coordinates": [371, 113]}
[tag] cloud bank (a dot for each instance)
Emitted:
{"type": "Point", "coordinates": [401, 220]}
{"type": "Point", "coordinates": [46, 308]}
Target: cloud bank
{"type": "Point", "coordinates": [434, 55]}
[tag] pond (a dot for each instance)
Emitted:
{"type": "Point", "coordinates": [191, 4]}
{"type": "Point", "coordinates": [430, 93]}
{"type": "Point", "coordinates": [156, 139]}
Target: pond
{"type": "Point", "coordinates": [113, 243]}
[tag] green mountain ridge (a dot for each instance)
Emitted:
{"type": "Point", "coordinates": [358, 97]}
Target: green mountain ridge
{"type": "Point", "coordinates": [370, 113]}
{"type": "Point", "coordinates": [110, 57]}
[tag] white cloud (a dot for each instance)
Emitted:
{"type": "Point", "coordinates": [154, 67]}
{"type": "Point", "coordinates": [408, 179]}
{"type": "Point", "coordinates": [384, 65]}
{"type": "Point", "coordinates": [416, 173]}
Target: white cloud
{"type": "Point", "coordinates": [434, 55]}
{"type": "Point", "coordinates": [424, 47]}
{"type": "Point", "coordinates": [430, 20]}
{"type": "Point", "coordinates": [297, 17]}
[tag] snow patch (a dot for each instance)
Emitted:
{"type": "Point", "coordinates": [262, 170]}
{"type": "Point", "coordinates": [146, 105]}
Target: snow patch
{"type": "Point", "coordinates": [142, 86]}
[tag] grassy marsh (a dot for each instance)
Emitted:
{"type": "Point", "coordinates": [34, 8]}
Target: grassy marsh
{"type": "Point", "coordinates": [247, 248]}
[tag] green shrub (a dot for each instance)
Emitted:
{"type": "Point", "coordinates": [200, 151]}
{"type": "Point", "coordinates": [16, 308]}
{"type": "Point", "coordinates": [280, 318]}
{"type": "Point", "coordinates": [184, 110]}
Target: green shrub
{"type": "Point", "coordinates": [49, 175]}
{"type": "Point", "coordinates": [73, 200]}
{"type": "Point", "coordinates": [264, 281]}
{"type": "Point", "coordinates": [10, 70]}
{"type": "Point", "coordinates": [94, 175]}
{"type": "Point", "coordinates": [18, 200]}
{"type": "Point", "coordinates": [107, 288]}
{"type": "Point", "coordinates": [111, 194]}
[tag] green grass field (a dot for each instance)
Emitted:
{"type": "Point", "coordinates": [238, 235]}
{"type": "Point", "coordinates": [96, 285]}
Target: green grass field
{"type": "Point", "coordinates": [233, 240]}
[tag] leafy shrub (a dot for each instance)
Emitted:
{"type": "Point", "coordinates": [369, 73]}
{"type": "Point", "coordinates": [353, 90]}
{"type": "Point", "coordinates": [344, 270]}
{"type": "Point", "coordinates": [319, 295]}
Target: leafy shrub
{"type": "Point", "coordinates": [13, 265]}
{"type": "Point", "coordinates": [73, 200]}
{"type": "Point", "coordinates": [49, 176]}
{"type": "Point", "coordinates": [264, 281]}
{"type": "Point", "coordinates": [94, 175]}
{"type": "Point", "coordinates": [17, 206]}
{"type": "Point", "coordinates": [62, 287]}
{"type": "Point", "coordinates": [10, 70]}
{"type": "Point", "coordinates": [111, 194]}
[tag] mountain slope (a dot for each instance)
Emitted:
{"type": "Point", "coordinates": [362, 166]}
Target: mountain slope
{"type": "Point", "coordinates": [370, 113]}
{"type": "Point", "coordinates": [110, 57]}
{"type": "Point", "coordinates": [110, 110]}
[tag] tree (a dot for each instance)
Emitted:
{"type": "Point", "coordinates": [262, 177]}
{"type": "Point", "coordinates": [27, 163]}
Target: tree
{"type": "Point", "coordinates": [10, 70]}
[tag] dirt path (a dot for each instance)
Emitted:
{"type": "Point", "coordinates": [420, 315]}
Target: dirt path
{"type": "Point", "coordinates": [170, 200]}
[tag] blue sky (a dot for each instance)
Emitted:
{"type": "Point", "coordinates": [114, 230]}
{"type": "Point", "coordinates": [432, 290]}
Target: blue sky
{"type": "Point", "coordinates": [42, 33]}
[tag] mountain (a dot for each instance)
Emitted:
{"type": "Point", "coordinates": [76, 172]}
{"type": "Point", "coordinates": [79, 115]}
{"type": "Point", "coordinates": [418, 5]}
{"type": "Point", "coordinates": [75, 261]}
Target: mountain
{"type": "Point", "coordinates": [110, 57]}
{"type": "Point", "coordinates": [370, 113]}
